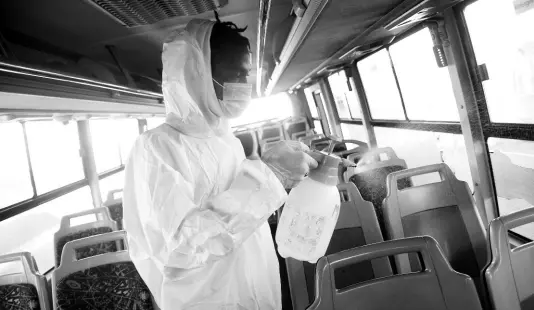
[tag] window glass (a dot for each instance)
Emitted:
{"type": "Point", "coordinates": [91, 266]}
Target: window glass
{"type": "Point", "coordinates": [512, 162]}
{"type": "Point", "coordinates": [112, 141]}
{"type": "Point", "coordinates": [426, 88]}
{"type": "Point", "coordinates": [54, 153]}
{"type": "Point", "coordinates": [354, 101]}
{"type": "Point", "coordinates": [15, 182]}
{"type": "Point", "coordinates": [33, 230]}
{"type": "Point", "coordinates": [340, 90]}
{"type": "Point", "coordinates": [111, 183]}
{"type": "Point", "coordinates": [275, 107]}
{"type": "Point", "coordinates": [380, 86]}
{"type": "Point", "coordinates": [503, 40]}
{"type": "Point", "coordinates": [354, 132]}
{"type": "Point", "coordinates": [422, 148]}
{"type": "Point", "coordinates": [319, 100]}
{"type": "Point", "coordinates": [311, 103]}
{"type": "Point", "coordinates": [154, 122]}
{"type": "Point", "coordinates": [318, 127]}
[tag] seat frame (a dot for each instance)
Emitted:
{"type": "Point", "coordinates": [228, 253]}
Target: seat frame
{"type": "Point", "coordinates": [355, 212]}
{"type": "Point", "coordinates": [505, 276]}
{"type": "Point", "coordinates": [31, 276]}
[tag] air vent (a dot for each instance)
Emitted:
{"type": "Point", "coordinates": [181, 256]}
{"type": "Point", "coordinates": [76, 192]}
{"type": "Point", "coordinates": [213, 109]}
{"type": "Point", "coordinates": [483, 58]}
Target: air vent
{"type": "Point", "coordinates": [133, 13]}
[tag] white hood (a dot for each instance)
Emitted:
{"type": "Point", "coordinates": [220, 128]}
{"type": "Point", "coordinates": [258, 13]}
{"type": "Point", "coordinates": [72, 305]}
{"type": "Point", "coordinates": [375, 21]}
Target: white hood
{"type": "Point", "coordinates": [190, 101]}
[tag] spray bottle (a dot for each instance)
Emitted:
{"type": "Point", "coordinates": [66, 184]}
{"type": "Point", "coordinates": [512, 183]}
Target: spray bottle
{"type": "Point", "coordinates": [311, 211]}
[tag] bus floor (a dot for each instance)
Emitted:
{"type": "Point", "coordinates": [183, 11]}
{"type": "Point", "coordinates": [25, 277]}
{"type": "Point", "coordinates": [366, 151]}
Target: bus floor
{"type": "Point", "coordinates": [286, 294]}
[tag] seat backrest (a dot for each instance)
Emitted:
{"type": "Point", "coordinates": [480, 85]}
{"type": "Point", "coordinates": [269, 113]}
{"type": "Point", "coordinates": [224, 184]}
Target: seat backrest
{"type": "Point", "coordinates": [444, 211]}
{"type": "Point", "coordinates": [356, 226]}
{"type": "Point", "coordinates": [272, 131]}
{"type": "Point", "coordinates": [437, 287]}
{"type": "Point", "coordinates": [370, 176]}
{"type": "Point", "coordinates": [24, 290]}
{"type": "Point", "coordinates": [66, 232]}
{"type": "Point", "coordinates": [296, 126]}
{"type": "Point", "coordinates": [510, 275]}
{"type": "Point", "coordinates": [114, 204]}
{"type": "Point", "coordinates": [105, 281]}
{"type": "Point", "coordinates": [358, 150]}
{"type": "Point", "coordinates": [309, 139]}
{"type": "Point", "coordinates": [249, 141]}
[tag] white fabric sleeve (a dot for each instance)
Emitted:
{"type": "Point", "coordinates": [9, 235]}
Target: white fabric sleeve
{"type": "Point", "coordinates": [185, 231]}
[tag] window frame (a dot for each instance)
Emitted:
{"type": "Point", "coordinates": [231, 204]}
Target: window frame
{"type": "Point", "coordinates": [36, 200]}
{"type": "Point", "coordinates": [513, 131]}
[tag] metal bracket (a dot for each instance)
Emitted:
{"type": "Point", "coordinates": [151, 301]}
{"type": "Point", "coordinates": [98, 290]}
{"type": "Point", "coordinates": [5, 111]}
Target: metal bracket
{"type": "Point", "coordinates": [299, 8]}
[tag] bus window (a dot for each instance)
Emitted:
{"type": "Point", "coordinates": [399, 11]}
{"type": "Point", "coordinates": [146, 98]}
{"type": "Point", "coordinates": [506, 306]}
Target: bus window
{"type": "Point", "coordinates": [512, 162]}
{"type": "Point", "coordinates": [34, 230]}
{"type": "Point", "coordinates": [318, 127]}
{"type": "Point", "coordinates": [311, 103]}
{"type": "Point", "coordinates": [380, 87]}
{"type": "Point", "coordinates": [342, 95]}
{"type": "Point", "coordinates": [426, 89]}
{"type": "Point", "coordinates": [54, 154]}
{"type": "Point", "coordinates": [112, 141]}
{"type": "Point", "coordinates": [277, 106]}
{"type": "Point", "coordinates": [110, 183]}
{"type": "Point", "coordinates": [354, 132]}
{"type": "Point", "coordinates": [503, 41]}
{"type": "Point", "coordinates": [15, 179]}
{"type": "Point", "coordinates": [422, 148]}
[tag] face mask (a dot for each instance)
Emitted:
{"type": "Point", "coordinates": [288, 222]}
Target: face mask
{"type": "Point", "coordinates": [236, 97]}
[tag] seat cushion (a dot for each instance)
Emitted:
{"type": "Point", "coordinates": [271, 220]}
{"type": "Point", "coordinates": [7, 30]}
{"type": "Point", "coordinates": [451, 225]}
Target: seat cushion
{"type": "Point", "coordinates": [116, 214]}
{"type": "Point", "coordinates": [112, 286]}
{"type": "Point", "coordinates": [21, 296]}
{"type": "Point", "coordinates": [89, 250]}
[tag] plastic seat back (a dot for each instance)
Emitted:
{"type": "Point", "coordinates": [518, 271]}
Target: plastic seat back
{"type": "Point", "coordinates": [250, 143]}
{"type": "Point", "coordinates": [296, 127]}
{"type": "Point", "coordinates": [24, 290]}
{"type": "Point", "coordinates": [356, 226]}
{"type": "Point", "coordinates": [370, 176]}
{"type": "Point", "coordinates": [444, 211]}
{"type": "Point", "coordinates": [309, 139]}
{"type": "Point", "coordinates": [114, 204]}
{"type": "Point", "coordinates": [437, 287]}
{"type": "Point", "coordinates": [105, 281]}
{"type": "Point", "coordinates": [510, 275]}
{"type": "Point", "coordinates": [66, 232]}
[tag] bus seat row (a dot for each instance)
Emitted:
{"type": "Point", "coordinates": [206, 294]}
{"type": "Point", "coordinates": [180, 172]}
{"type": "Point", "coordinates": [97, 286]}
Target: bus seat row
{"type": "Point", "coordinates": [436, 287]}
{"type": "Point", "coordinates": [108, 280]}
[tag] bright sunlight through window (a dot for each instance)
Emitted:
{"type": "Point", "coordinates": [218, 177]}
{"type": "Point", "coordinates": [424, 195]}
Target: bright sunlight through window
{"type": "Point", "coordinates": [265, 108]}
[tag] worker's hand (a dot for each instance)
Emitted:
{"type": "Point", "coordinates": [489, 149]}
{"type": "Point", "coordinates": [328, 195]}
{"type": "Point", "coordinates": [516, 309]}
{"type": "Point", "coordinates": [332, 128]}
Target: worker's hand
{"type": "Point", "coordinates": [289, 161]}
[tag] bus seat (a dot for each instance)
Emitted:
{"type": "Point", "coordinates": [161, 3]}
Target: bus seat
{"type": "Point", "coordinates": [114, 204]}
{"type": "Point", "coordinates": [370, 177]}
{"type": "Point", "coordinates": [250, 143]}
{"type": "Point", "coordinates": [360, 148]}
{"type": "Point", "coordinates": [268, 143]}
{"type": "Point", "coordinates": [310, 138]}
{"type": "Point", "coordinates": [106, 281]}
{"type": "Point", "coordinates": [437, 287]}
{"type": "Point", "coordinates": [271, 131]}
{"type": "Point", "coordinates": [297, 125]}
{"type": "Point", "coordinates": [356, 226]}
{"type": "Point", "coordinates": [24, 290]}
{"type": "Point", "coordinates": [444, 211]}
{"type": "Point", "coordinates": [66, 232]}
{"type": "Point", "coordinates": [510, 275]}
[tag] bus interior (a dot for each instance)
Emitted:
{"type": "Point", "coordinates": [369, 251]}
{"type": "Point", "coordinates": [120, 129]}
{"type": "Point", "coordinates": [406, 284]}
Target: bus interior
{"type": "Point", "coordinates": [432, 100]}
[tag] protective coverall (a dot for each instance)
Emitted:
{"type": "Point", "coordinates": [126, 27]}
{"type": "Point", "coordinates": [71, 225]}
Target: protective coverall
{"type": "Point", "coordinates": [195, 209]}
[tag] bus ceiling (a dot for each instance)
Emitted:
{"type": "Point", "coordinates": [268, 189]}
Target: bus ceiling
{"type": "Point", "coordinates": [294, 41]}
{"type": "Point", "coordinates": [328, 34]}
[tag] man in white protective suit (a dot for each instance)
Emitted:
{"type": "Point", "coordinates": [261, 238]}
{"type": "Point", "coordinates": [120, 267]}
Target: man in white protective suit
{"type": "Point", "coordinates": [195, 209]}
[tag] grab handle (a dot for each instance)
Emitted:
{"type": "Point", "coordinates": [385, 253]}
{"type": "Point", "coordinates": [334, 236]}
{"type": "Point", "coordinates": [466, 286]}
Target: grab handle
{"type": "Point", "coordinates": [444, 171]}
{"type": "Point", "coordinates": [69, 250]}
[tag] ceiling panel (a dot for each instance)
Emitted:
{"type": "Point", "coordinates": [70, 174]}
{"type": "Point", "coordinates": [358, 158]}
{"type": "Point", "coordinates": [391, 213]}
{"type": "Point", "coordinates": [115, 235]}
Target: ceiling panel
{"type": "Point", "coordinates": [340, 21]}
